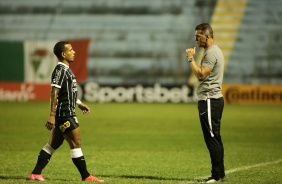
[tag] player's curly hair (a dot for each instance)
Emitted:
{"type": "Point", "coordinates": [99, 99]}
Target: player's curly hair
{"type": "Point", "coordinates": [59, 48]}
{"type": "Point", "coordinates": [205, 28]}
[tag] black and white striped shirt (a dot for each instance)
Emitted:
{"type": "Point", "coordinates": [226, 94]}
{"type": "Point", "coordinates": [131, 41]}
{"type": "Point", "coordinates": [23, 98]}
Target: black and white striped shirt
{"type": "Point", "coordinates": [63, 78]}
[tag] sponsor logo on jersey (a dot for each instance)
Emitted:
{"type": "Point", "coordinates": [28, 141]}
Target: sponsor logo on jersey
{"type": "Point", "coordinates": [74, 85]}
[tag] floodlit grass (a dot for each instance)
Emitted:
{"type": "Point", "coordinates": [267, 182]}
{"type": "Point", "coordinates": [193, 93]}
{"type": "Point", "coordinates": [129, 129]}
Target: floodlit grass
{"type": "Point", "coordinates": [144, 143]}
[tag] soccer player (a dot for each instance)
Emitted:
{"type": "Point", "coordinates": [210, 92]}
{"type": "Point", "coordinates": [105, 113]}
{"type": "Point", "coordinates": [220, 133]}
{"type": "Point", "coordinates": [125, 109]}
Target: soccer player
{"type": "Point", "coordinates": [62, 121]}
{"type": "Point", "coordinates": [211, 102]}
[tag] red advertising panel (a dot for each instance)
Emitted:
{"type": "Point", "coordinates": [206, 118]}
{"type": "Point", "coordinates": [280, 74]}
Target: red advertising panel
{"type": "Point", "coordinates": [18, 91]}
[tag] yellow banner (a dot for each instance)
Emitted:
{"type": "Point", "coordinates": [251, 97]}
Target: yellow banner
{"type": "Point", "coordinates": [252, 94]}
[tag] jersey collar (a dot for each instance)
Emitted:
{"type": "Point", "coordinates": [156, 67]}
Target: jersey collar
{"type": "Point", "coordinates": [60, 63]}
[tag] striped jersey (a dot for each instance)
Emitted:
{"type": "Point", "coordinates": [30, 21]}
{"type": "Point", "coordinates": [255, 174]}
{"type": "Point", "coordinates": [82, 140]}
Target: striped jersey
{"type": "Point", "coordinates": [63, 78]}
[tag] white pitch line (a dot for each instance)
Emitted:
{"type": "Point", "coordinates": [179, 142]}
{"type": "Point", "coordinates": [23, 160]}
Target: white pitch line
{"type": "Point", "coordinates": [250, 167]}
{"type": "Point", "coordinates": [239, 169]}
{"type": "Point", "coordinates": [253, 166]}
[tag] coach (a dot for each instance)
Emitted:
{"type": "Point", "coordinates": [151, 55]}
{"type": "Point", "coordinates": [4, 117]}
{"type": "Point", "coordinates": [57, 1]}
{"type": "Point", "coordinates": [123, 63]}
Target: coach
{"type": "Point", "coordinates": [211, 102]}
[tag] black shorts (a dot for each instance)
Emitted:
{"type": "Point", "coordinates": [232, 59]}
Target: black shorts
{"type": "Point", "coordinates": [66, 124]}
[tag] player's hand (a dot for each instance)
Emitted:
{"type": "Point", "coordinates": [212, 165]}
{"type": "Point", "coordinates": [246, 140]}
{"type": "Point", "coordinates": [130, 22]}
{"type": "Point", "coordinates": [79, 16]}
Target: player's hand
{"type": "Point", "coordinates": [190, 52]}
{"type": "Point", "coordinates": [50, 123]}
{"type": "Point", "coordinates": [85, 109]}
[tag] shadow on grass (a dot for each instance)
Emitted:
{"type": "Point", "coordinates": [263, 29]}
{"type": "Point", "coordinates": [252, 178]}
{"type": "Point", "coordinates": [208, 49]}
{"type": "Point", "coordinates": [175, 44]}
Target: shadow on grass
{"type": "Point", "coordinates": [23, 178]}
{"type": "Point", "coordinates": [184, 180]}
{"type": "Point", "coordinates": [152, 178]}
{"type": "Point", "coordinates": [12, 178]}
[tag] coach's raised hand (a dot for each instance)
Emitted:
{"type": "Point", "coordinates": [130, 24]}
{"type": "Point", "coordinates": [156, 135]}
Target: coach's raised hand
{"type": "Point", "coordinates": [190, 52]}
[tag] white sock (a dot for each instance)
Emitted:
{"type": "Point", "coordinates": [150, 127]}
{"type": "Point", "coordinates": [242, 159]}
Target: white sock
{"type": "Point", "coordinates": [76, 152]}
{"type": "Point", "coordinates": [48, 149]}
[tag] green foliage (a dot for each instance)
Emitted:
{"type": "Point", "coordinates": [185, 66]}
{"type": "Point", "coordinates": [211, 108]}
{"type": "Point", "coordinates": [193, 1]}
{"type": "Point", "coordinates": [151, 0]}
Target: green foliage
{"type": "Point", "coordinates": [144, 143]}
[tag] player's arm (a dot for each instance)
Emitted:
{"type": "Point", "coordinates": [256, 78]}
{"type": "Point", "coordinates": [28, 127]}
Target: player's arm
{"type": "Point", "coordinates": [85, 109]}
{"type": "Point", "coordinates": [53, 104]}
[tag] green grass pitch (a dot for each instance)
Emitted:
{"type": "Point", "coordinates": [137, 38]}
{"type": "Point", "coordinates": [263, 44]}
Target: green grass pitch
{"type": "Point", "coordinates": [144, 143]}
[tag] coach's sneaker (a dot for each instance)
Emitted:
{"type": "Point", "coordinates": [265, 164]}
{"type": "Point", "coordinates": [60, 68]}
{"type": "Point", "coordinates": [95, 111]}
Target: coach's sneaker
{"type": "Point", "coordinates": [223, 178]}
{"type": "Point", "coordinates": [36, 177]}
{"type": "Point", "coordinates": [93, 178]}
{"type": "Point", "coordinates": [213, 180]}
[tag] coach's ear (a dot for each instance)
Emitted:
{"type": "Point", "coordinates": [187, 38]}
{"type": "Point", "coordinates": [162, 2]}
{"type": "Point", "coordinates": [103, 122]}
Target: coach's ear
{"type": "Point", "coordinates": [63, 54]}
